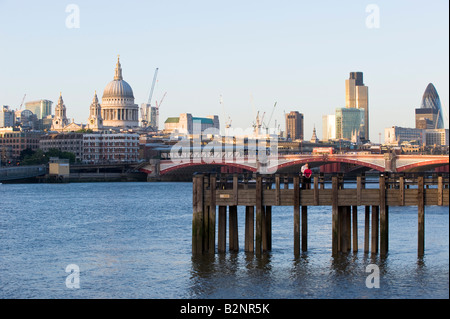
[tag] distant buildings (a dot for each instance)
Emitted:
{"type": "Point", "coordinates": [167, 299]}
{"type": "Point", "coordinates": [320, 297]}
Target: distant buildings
{"type": "Point", "coordinates": [68, 142]}
{"type": "Point", "coordinates": [429, 130]}
{"type": "Point", "coordinates": [95, 148]}
{"type": "Point", "coordinates": [149, 115]}
{"type": "Point", "coordinates": [6, 117]}
{"type": "Point", "coordinates": [357, 97]}
{"type": "Point", "coordinates": [187, 124]}
{"type": "Point", "coordinates": [13, 141]}
{"type": "Point", "coordinates": [41, 108]}
{"type": "Point", "coordinates": [294, 126]}
{"type": "Point", "coordinates": [429, 115]}
{"type": "Point", "coordinates": [329, 127]}
{"type": "Point", "coordinates": [349, 123]}
{"type": "Point", "coordinates": [396, 135]}
{"type": "Point", "coordinates": [110, 148]}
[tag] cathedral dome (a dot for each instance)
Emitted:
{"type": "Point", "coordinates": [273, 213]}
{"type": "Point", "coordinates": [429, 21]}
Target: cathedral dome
{"type": "Point", "coordinates": [118, 108]}
{"type": "Point", "coordinates": [118, 88]}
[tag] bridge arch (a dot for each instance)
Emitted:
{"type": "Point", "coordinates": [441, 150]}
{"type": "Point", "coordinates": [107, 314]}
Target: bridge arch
{"type": "Point", "coordinates": [189, 166]}
{"type": "Point", "coordinates": [423, 166]}
{"type": "Point", "coordinates": [319, 161]}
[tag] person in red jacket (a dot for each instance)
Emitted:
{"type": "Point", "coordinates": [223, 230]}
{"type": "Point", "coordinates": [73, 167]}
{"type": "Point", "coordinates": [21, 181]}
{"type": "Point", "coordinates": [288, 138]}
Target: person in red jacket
{"type": "Point", "coordinates": [306, 176]}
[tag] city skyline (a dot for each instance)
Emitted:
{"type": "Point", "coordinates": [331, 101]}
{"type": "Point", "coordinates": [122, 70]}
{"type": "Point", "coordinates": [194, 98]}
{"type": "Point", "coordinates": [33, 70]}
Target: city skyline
{"type": "Point", "coordinates": [253, 54]}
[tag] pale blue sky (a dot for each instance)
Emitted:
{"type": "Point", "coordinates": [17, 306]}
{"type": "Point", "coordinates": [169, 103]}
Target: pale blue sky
{"type": "Point", "coordinates": [297, 53]}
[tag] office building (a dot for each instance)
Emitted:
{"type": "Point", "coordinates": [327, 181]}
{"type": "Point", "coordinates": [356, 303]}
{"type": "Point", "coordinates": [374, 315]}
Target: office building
{"type": "Point", "coordinates": [13, 141]}
{"type": "Point", "coordinates": [357, 96]}
{"type": "Point", "coordinates": [396, 135]}
{"type": "Point", "coordinates": [149, 116]}
{"type": "Point", "coordinates": [438, 137]}
{"type": "Point", "coordinates": [6, 117]}
{"type": "Point", "coordinates": [110, 147]}
{"type": "Point", "coordinates": [294, 126]}
{"type": "Point", "coordinates": [65, 142]}
{"type": "Point", "coordinates": [187, 124]}
{"type": "Point", "coordinates": [429, 115]}
{"type": "Point", "coordinates": [349, 123]}
{"type": "Point", "coordinates": [40, 108]}
{"type": "Point", "coordinates": [328, 127]}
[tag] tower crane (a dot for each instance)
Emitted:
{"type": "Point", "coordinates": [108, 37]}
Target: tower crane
{"type": "Point", "coordinates": [229, 120]}
{"type": "Point", "coordinates": [259, 121]}
{"type": "Point", "coordinates": [146, 119]}
{"type": "Point", "coordinates": [270, 118]}
{"type": "Point", "coordinates": [20, 107]}
{"type": "Point", "coordinates": [157, 110]}
{"type": "Point", "coordinates": [153, 86]}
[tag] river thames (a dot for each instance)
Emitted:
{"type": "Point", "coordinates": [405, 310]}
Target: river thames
{"type": "Point", "coordinates": [133, 240]}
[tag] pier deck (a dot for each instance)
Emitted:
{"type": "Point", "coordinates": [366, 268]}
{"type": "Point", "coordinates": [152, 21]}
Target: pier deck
{"type": "Point", "coordinates": [260, 193]}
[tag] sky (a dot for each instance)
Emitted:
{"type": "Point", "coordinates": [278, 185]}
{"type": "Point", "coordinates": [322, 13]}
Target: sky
{"type": "Point", "coordinates": [252, 53]}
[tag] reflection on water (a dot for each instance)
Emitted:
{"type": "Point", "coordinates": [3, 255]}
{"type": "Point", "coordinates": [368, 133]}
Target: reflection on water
{"type": "Point", "coordinates": [133, 240]}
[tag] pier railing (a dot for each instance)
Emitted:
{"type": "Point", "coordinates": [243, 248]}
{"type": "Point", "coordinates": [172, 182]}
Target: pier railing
{"type": "Point", "coordinates": [258, 193]}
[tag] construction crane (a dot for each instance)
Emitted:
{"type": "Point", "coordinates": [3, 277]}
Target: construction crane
{"type": "Point", "coordinates": [145, 117]}
{"type": "Point", "coordinates": [157, 110]}
{"type": "Point", "coordinates": [153, 86]}
{"type": "Point", "coordinates": [270, 118]}
{"type": "Point", "coordinates": [20, 107]}
{"type": "Point", "coordinates": [258, 123]}
{"type": "Point", "coordinates": [229, 120]}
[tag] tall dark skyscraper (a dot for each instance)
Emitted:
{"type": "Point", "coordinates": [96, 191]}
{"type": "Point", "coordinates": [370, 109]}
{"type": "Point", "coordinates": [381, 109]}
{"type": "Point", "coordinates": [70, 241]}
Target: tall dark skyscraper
{"type": "Point", "coordinates": [357, 96]}
{"type": "Point", "coordinates": [294, 125]}
{"type": "Point", "coordinates": [429, 115]}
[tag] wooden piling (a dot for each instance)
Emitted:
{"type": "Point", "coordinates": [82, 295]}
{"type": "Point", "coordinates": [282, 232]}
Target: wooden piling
{"type": "Point", "coordinates": [197, 218]}
{"type": "Point", "coordinates": [355, 228]}
{"type": "Point", "coordinates": [401, 189]}
{"type": "Point", "coordinates": [268, 227]}
{"type": "Point", "coordinates": [277, 189]}
{"type": "Point", "coordinates": [249, 228]}
{"type": "Point", "coordinates": [375, 223]}
{"type": "Point", "coordinates": [366, 228]}
{"type": "Point", "coordinates": [316, 190]}
{"type": "Point", "coordinates": [335, 216]}
{"type": "Point", "coordinates": [212, 215]}
{"type": "Point", "coordinates": [304, 225]}
{"type": "Point", "coordinates": [259, 217]}
{"type": "Point", "coordinates": [233, 244]}
{"type": "Point", "coordinates": [296, 216]}
{"type": "Point", "coordinates": [421, 216]}
{"type": "Point", "coordinates": [222, 229]}
{"type": "Point", "coordinates": [384, 231]}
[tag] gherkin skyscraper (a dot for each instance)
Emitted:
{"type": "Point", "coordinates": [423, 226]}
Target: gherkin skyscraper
{"type": "Point", "coordinates": [431, 104]}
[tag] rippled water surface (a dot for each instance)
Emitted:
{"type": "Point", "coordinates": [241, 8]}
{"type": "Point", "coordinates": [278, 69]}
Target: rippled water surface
{"type": "Point", "coordinates": [133, 240]}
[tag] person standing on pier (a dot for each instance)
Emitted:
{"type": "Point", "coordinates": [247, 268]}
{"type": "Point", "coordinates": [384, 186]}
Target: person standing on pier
{"type": "Point", "coordinates": [306, 176]}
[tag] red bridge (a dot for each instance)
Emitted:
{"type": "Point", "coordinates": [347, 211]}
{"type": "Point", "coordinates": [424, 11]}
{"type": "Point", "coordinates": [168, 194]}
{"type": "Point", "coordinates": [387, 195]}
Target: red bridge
{"type": "Point", "coordinates": [388, 162]}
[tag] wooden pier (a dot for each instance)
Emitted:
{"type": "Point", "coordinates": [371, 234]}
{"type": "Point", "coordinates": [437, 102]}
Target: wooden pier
{"type": "Point", "coordinates": [259, 193]}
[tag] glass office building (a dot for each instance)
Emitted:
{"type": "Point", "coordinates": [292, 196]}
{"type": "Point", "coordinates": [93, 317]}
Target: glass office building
{"type": "Point", "coordinates": [349, 123]}
{"type": "Point", "coordinates": [430, 110]}
{"type": "Point", "coordinates": [41, 108]}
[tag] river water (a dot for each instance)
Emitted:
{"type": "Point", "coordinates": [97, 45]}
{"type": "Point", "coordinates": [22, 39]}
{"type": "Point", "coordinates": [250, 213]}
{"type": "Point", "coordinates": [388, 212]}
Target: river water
{"type": "Point", "coordinates": [133, 240]}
